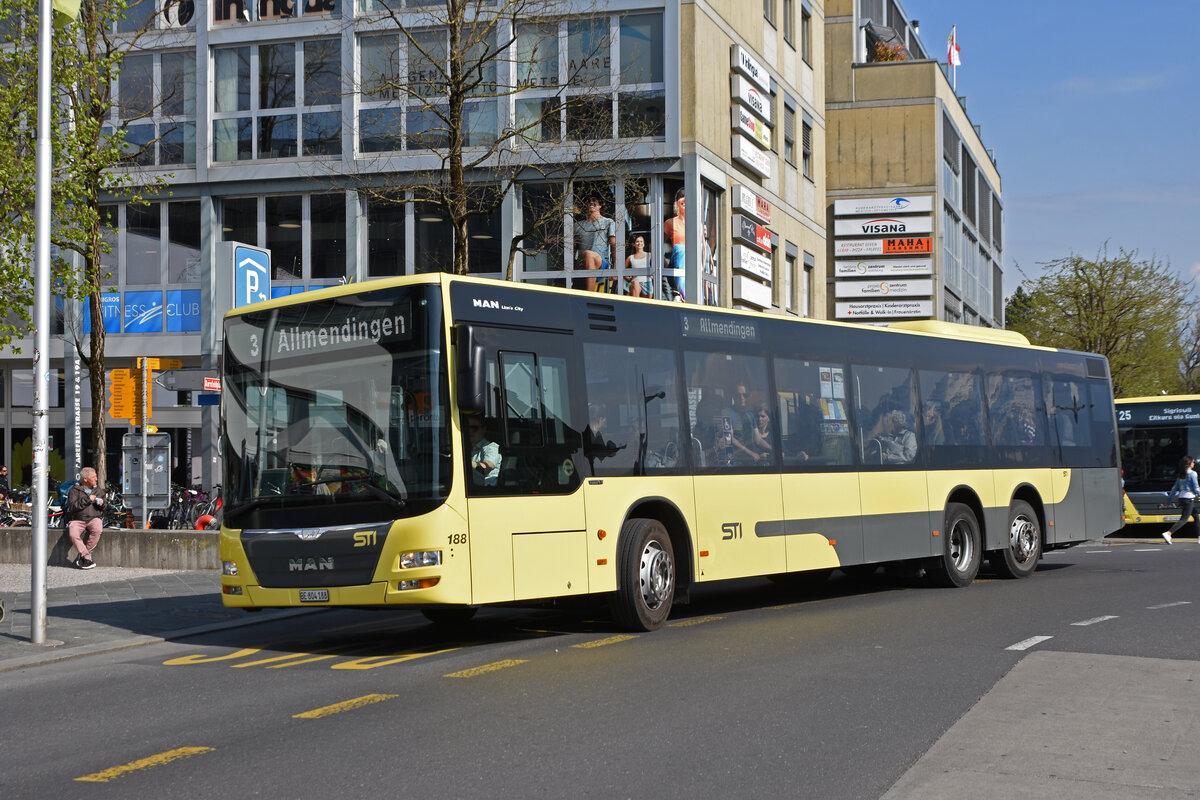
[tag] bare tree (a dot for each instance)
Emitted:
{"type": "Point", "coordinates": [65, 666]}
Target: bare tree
{"type": "Point", "coordinates": [439, 84]}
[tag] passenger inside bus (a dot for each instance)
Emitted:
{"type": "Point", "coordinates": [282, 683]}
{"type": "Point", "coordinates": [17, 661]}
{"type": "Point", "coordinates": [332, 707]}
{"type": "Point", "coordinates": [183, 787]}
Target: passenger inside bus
{"type": "Point", "coordinates": [595, 447]}
{"type": "Point", "coordinates": [895, 443]}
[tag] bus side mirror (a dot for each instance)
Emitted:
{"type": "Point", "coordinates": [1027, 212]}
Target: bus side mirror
{"type": "Point", "coordinates": [470, 371]}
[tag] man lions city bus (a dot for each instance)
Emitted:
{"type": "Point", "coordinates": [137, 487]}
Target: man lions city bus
{"type": "Point", "coordinates": [442, 443]}
{"type": "Point", "coordinates": [1155, 432]}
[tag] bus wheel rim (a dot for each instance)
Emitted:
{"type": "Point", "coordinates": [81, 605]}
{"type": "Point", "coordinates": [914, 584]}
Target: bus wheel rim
{"type": "Point", "coordinates": [1022, 538]}
{"type": "Point", "coordinates": [960, 546]}
{"type": "Point", "coordinates": [657, 575]}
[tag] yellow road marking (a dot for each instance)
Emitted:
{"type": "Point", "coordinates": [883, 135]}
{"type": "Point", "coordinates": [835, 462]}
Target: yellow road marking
{"type": "Point", "coordinates": [347, 705]}
{"type": "Point", "coordinates": [684, 623]}
{"type": "Point", "coordinates": [382, 661]}
{"type": "Point", "coordinates": [301, 661]}
{"type": "Point", "coordinates": [274, 659]}
{"type": "Point", "coordinates": [107, 775]}
{"type": "Point", "coordinates": [609, 640]}
{"type": "Point", "coordinates": [197, 659]}
{"type": "Point", "coordinates": [495, 665]}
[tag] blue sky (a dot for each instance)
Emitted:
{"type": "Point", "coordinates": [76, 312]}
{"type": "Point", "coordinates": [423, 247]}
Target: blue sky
{"type": "Point", "coordinates": [1093, 112]}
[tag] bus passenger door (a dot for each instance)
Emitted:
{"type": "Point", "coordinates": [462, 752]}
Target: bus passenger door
{"type": "Point", "coordinates": [527, 515]}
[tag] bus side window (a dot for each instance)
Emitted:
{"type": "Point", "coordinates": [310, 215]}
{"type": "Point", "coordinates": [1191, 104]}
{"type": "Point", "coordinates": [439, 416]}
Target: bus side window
{"type": "Point", "coordinates": [811, 409]}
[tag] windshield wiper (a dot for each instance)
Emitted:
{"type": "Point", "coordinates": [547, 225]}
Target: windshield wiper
{"type": "Point", "coordinates": [383, 494]}
{"type": "Point", "coordinates": [256, 502]}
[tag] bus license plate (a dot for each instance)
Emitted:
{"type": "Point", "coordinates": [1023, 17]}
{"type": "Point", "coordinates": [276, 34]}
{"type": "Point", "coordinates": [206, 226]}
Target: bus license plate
{"type": "Point", "coordinates": [314, 595]}
{"type": "Point", "coordinates": [1174, 518]}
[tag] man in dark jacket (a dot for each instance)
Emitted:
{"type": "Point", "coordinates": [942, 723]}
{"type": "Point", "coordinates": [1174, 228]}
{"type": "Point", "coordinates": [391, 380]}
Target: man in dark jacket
{"type": "Point", "coordinates": [85, 509]}
{"type": "Point", "coordinates": [5, 489]}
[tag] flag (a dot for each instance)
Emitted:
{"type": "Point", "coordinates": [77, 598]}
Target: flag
{"type": "Point", "coordinates": [65, 10]}
{"type": "Point", "coordinates": [952, 54]}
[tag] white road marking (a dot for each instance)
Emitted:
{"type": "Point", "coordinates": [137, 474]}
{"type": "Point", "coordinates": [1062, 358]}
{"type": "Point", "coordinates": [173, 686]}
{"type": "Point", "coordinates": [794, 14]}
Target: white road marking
{"type": "Point", "coordinates": [1028, 643]}
{"type": "Point", "coordinates": [1097, 551]}
{"type": "Point", "coordinates": [1094, 620]}
{"type": "Point", "coordinates": [1171, 605]}
{"type": "Point", "coordinates": [1149, 550]}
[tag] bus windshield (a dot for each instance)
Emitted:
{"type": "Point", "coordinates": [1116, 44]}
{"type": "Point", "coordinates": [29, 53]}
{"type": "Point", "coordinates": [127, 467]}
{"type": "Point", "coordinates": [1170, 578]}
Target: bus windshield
{"type": "Point", "coordinates": [336, 410]}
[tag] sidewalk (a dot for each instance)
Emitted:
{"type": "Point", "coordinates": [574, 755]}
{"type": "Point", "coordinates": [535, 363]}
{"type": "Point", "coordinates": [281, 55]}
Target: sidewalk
{"type": "Point", "coordinates": [110, 608]}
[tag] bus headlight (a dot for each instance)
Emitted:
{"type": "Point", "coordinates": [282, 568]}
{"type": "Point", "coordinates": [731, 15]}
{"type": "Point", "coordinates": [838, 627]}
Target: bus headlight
{"type": "Point", "coordinates": [420, 558]}
{"type": "Point", "coordinates": [417, 583]}
{"type": "Point", "coordinates": [229, 568]}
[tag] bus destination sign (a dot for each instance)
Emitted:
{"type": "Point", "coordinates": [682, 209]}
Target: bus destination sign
{"type": "Point", "coordinates": [1157, 413]}
{"type": "Point", "coordinates": [730, 329]}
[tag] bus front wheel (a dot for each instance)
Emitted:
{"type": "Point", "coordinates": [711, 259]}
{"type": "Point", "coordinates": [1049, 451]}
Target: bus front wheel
{"type": "Point", "coordinates": [958, 564]}
{"type": "Point", "coordinates": [1019, 557]}
{"type": "Point", "coordinates": [645, 576]}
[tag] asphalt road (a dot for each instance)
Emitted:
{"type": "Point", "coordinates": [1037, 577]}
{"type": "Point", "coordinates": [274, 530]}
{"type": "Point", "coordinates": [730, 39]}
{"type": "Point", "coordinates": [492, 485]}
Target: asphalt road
{"type": "Point", "coordinates": [750, 691]}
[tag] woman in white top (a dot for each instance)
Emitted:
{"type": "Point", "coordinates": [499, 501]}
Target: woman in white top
{"type": "Point", "coordinates": [1184, 492]}
{"type": "Point", "coordinates": [639, 259]}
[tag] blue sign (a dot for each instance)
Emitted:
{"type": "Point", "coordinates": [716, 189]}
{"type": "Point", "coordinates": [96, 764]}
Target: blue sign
{"type": "Point", "coordinates": [208, 399]}
{"type": "Point", "coordinates": [110, 306]}
{"type": "Point", "coordinates": [284, 291]}
{"type": "Point", "coordinates": [143, 312]}
{"type": "Point", "coordinates": [183, 310]}
{"type": "Point", "coordinates": [251, 276]}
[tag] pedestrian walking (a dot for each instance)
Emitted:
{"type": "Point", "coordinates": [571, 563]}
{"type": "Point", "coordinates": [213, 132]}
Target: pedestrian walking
{"type": "Point", "coordinates": [85, 509]}
{"type": "Point", "coordinates": [1184, 493]}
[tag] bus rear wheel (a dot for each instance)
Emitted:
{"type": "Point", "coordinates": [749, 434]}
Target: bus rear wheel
{"type": "Point", "coordinates": [645, 576]}
{"type": "Point", "coordinates": [1019, 557]}
{"type": "Point", "coordinates": [961, 555]}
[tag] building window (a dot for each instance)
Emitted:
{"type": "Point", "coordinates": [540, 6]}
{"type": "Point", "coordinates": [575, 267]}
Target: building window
{"type": "Point", "coordinates": [385, 238]}
{"type": "Point", "coordinates": [296, 110]}
{"type": "Point", "coordinates": [227, 11]}
{"type": "Point", "coordinates": [299, 230]}
{"type": "Point", "coordinates": [806, 286]}
{"type": "Point", "coordinates": [789, 133]}
{"type": "Point", "coordinates": [807, 148]}
{"type": "Point", "coordinates": [806, 36]}
{"type": "Point", "coordinates": [789, 22]}
{"type": "Point", "coordinates": [769, 10]}
{"type": "Point", "coordinates": [789, 282]}
{"type": "Point", "coordinates": [156, 106]}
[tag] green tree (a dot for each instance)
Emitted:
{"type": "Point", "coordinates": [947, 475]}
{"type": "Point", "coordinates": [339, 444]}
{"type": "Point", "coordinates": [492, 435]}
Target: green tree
{"type": "Point", "coordinates": [1128, 309]}
{"type": "Point", "coordinates": [92, 162]}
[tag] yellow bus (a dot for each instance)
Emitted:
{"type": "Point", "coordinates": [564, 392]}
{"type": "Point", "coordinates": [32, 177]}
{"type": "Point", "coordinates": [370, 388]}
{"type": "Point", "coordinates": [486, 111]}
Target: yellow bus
{"type": "Point", "coordinates": [445, 442]}
{"type": "Point", "coordinates": [1155, 432]}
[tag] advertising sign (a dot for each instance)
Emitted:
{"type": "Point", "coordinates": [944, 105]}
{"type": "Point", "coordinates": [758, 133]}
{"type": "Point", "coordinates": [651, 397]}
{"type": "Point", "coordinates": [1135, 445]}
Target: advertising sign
{"type": "Point", "coordinates": [749, 231]}
{"type": "Point", "coordinates": [748, 65]}
{"type": "Point", "coordinates": [749, 260]}
{"type": "Point", "coordinates": [909, 204]}
{"type": "Point", "coordinates": [882, 267]}
{"type": "Point", "coordinates": [881, 247]}
{"type": "Point", "coordinates": [110, 310]}
{"type": "Point", "coordinates": [183, 310]}
{"type": "Point", "coordinates": [752, 126]}
{"type": "Point", "coordinates": [143, 312]}
{"type": "Point", "coordinates": [748, 202]}
{"type": "Point", "coordinates": [750, 156]}
{"type": "Point", "coordinates": [751, 292]}
{"type": "Point", "coordinates": [867, 309]}
{"type": "Point", "coordinates": [752, 97]}
{"type": "Point", "coordinates": [918, 287]}
{"type": "Point", "coordinates": [888, 226]}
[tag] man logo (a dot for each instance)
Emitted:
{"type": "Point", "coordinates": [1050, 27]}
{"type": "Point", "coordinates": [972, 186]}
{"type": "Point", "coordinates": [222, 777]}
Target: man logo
{"type": "Point", "coordinates": [310, 564]}
{"type": "Point", "coordinates": [477, 303]}
{"type": "Point", "coordinates": [732, 530]}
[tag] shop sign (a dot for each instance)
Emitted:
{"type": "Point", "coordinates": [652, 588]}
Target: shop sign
{"type": "Point", "coordinates": [143, 312]}
{"type": "Point", "coordinates": [886, 226]}
{"type": "Point", "coordinates": [741, 61]}
{"type": "Point", "coordinates": [918, 287]}
{"type": "Point", "coordinates": [751, 292]}
{"type": "Point", "coordinates": [751, 96]}
{"type": "Point", "coordinates": [749, 260]}
{"type": "Point", "coordinates": [748, 202]}
{"type": "Point", "coordinates": [746, 153]}
{"type": "Point", "coordinates": [882, 267]}
{"type": "Point", "coordinates": [747, 230]}
{"type": "Point", "coordinates": [908, 204]}
{"type": "Point", "coordinates": [183, 310]}
{"type": "Point", "coordinates": [110, 312]}
{"type": "Point", "coordinates": [867, 309]}
{"type": "Point", "coordinates": [752, 126]}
